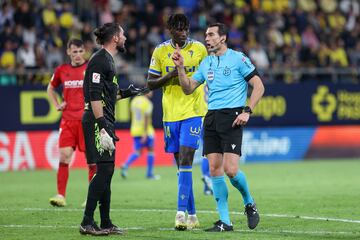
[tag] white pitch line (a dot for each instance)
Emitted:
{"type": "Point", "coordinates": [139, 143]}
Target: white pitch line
{"type": "Point", "coordinates": [56, 226]}
{"type": "Point", "coordinates": [312, 218]}
{"type": "Point", "coordinates": [172, 229]}
{"type": "Point", "coordinates": [199, 211]}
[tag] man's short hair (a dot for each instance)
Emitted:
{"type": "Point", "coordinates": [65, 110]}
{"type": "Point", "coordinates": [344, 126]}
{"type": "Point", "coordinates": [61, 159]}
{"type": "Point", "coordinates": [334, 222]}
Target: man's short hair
{"type": "Point", "coordinates": [223, 30]}
{"type": "Point", "coordinates": [178, 21]}
{"type": "Point", "coordinates": [106, 32]}
{"type": "Point", "coordinates": [76, 42]}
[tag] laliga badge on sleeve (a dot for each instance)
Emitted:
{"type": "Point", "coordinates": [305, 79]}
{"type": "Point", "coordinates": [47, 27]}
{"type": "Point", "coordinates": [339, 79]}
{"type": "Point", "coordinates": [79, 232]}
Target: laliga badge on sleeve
{"type": "Point", "coordinates": [96, 77]}
{"type": "Point", "coordinates": [210, 75]}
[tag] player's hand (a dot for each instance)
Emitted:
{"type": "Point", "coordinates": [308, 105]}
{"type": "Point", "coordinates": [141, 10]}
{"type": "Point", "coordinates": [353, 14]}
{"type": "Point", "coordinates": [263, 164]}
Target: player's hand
{"type": "Point", "coordinates": [177, 57]}
{"type": "Point", "coordinates": [241, 120]}
{"type": "Point", "coordinates": [61, 106]}
{"type": "Point", "coordinates": [106, 142]}
{"type": "Point", "coordinates": [103, 125]}
{"type": "Point", "coordinates": [173, 73]}
{"type": "Point", "coordinates": [133, 91]}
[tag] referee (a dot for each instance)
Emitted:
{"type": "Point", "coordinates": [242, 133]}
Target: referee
{"type": "Point", "coordinates": [227, 74]}
{"type": "Point", "coordinates": [101, 92]}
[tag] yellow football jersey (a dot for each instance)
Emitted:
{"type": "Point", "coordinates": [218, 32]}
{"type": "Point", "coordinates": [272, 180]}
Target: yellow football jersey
{"type": "Point", "coordinates": [176, 105]}
{"type": "Point", "coordinates": [141, 107]}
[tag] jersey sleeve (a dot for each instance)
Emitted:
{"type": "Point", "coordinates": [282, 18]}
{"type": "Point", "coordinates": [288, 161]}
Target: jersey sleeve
{"type": "Point", "coordinates": [199, 75]}
{"type": "Point", "coordinates": [97, 74]}
{"type": "Point", "coordinates": [155, 63]}
{"type": "Point", "coordinates": [56, 78]}
{"type": "Point", "coordinates": [246, 68]}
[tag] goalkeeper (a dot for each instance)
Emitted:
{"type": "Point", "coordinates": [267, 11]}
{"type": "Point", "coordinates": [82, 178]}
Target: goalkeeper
{"type": "Point", "coordinates": [101, 92]}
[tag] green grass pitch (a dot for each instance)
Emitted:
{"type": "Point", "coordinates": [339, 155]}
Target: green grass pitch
{"type": "Point", "coordinates": [301, 200]}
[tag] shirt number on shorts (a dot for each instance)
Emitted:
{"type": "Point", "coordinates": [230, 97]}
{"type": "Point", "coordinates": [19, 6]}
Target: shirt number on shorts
{"type": "Point", "coordinates": [167, 131]}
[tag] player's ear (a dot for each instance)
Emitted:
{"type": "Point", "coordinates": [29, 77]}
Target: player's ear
{"type": "Point", "coordinates": [116, 38]}
{"type": "Point", "coordinates": [68, 51]}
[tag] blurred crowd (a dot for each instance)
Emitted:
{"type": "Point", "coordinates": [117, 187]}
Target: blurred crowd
{"type": "Point", "coordinates": [276, 34]}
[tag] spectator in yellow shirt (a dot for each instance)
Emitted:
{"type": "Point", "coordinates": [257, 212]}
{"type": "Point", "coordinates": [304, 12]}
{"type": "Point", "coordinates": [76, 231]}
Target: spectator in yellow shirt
{"type": "Point", "coordinates": [8, 58]}
{"type": "Point", "coordinates": [338, 56]}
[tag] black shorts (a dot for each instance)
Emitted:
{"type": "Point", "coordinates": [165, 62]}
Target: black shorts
{"type": "Point", "coordinates": [94, 154]}
{"type": "Point", "coordinates": [219, 135]}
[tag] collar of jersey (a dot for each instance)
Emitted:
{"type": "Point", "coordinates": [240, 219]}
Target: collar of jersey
{"type": "Point", "coordinates": [225, 54]}
{"type": "Point", "coordinates": [185, 45]}
{"type": "Point", "coordinates": [109, 53]}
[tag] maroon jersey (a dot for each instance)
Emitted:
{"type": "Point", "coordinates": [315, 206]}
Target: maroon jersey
{"type": "Point", "coordinates": [71, 78]}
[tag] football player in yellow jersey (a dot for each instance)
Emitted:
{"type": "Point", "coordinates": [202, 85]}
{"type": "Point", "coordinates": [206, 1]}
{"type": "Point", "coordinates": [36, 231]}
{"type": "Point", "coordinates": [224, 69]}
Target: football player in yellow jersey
{"type": "Point", "coordinates": [142, 131]}
{"type": "Point", "coordinates": [182, 114]}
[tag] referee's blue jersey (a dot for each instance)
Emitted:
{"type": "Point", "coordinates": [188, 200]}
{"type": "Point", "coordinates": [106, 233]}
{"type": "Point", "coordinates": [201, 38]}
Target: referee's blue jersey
{"type": "Point", "coordinates": [226, 77]}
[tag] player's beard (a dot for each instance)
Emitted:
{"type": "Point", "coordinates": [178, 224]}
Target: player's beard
{"type": "Point", "coordinates": [121, 49]}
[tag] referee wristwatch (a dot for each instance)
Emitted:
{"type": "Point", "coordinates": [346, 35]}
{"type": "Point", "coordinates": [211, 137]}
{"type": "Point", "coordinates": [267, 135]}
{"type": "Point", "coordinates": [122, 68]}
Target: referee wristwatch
{"type": "Point", "coordinates": [248, 110]}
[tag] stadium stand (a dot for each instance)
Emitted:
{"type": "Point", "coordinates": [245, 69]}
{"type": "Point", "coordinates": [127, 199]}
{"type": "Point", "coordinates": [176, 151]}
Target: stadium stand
{"type": "Point", "coordinates": [289, 40]}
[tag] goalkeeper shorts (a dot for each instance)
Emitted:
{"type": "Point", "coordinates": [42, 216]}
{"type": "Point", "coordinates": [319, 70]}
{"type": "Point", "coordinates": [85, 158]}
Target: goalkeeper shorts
{"type": "Point", "coordinates": [94, 153]}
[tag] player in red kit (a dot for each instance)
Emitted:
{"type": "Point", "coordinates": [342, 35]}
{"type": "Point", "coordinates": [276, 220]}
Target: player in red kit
{"type": "Point", "coordinates": [70, 76]}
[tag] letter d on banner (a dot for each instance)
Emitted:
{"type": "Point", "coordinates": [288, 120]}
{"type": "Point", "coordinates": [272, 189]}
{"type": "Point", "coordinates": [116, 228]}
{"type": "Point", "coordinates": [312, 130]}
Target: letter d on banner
{"type": "Point", "coordinates": [27, 108]}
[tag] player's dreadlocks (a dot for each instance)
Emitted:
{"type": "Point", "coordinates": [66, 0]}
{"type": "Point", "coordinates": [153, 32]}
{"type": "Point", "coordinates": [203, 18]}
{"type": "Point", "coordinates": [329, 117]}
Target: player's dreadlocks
{"type": "Point", "coordinates": [177, 21]}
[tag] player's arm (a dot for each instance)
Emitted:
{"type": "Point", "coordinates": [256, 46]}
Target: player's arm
{"type": "Point", "coordinates": [253, 79]}
{"type": "Point", "coordinates": [146, 122]}
{"type": "Point", "coordinates": [248, 70]}
{"type": "Point", "coordinates": [188, 85]}
{"type": "Point", "coordinates": [97, 73]}
{"type": "Point", "coordinates": [131, 91]}
{"type": "Point", "coordinates": [53, 96]}
{"type": "Point", "coordinates": [155, 81]}
{"type": "Point", "coordinates": [257, 92]}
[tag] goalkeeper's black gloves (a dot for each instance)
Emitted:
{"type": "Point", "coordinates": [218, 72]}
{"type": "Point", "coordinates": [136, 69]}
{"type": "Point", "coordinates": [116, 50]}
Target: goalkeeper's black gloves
{"type": "Point", "coordinates": [103, 125]}
{"type": "Point", "coordinates": [132, 91]}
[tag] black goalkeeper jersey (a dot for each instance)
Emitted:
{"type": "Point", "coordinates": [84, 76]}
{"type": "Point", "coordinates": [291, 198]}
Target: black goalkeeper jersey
{"type": "Point", "coordinates": [100, 83]}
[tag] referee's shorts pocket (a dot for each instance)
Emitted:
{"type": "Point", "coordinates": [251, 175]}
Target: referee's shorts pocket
{"type": "Point", "coordinates": [209, 121]}
{"type": "Point", "coordinates": [227, 117]}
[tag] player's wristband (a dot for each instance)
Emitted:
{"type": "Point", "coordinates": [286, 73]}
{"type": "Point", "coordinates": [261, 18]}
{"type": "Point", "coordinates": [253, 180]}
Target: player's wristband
{"type": "Point", "coordinates": [248, 110]}
{"type": "Point", "coordinates": [101, 123]}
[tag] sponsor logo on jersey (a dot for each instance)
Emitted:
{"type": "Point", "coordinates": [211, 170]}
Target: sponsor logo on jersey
{"type": "Point", "coordinates": [73, 84]}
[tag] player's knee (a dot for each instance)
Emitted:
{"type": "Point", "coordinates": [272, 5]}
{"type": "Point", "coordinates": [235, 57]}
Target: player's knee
{"type": "Point", "coordinates": [186, 156]}
{"type": "Point", "coordinates": [65, 157]}
{"type": "Point", "coordinates": [230, 171]}
{"type": "Point", "coordinates": [215, 170]}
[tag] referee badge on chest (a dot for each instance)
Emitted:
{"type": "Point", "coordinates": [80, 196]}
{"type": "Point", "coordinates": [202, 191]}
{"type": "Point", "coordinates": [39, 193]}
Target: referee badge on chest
{"type": "Point", "coordinates": [210, 75]}
{"type": "Point", "coordinates": [227, 71]}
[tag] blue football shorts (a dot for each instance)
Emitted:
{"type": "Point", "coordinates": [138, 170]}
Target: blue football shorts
{"type": "Point", "coordinates": [148, 143]}
{"type": "Point", "coordinates": [186, 133]}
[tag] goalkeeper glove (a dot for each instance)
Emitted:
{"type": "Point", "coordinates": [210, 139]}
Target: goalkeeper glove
{"type": "Point", "coordinates": [107, 137]}
{"type": "Point", "coordinates": [106, 142]}
{"type": "Point", "coordinates": [132, 91]}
